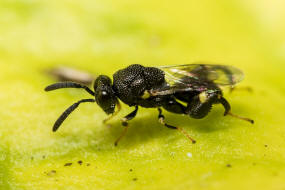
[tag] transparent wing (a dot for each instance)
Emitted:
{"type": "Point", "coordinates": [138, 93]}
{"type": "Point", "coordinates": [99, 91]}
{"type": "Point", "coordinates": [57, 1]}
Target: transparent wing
{"type": "Point", "coordinates": [198, 77]}
{"type": "Point", "coordinates": [221, 75]}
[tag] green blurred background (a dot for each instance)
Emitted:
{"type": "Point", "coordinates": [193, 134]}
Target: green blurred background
{"type": "Point", "coordinates": [103, 36]}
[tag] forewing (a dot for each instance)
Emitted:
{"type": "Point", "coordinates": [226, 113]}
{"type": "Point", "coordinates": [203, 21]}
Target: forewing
{"type": "Point", "coordinates": [197, 77]}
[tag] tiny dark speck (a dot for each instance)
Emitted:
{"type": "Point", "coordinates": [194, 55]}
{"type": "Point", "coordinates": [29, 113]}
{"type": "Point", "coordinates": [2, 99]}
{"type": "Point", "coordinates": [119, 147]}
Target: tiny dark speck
{"type": "Point", "coordinates": [131, 170]}
{"type": "Point", "coordinates": [135, 179]}
{"type": "Point", "coordinates": [44, 156]}
{"type": "Point", "coordinates": [80, 162]}
{"type": "Point", "coordinates": [88, 164]}
{"type": "Point", "coordinates": [68, 164]}
{"type": "Point", "coordinates": [265, 145]}
{"type": "Point", "coordinates": [229, 165]}
{"type": "Point", "coordinates": [51, 173]}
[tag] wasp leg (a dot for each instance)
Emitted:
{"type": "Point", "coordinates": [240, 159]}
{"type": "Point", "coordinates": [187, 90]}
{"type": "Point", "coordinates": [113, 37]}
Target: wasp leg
{"type": "Point", "coordinates": [201, 105]}
{"type": "Point", "coordinates": [227, 107]}
{"type": "Point", "coordinates": [114, 114]}
{"type": "Point", "coordinates": [125, 124]}
{"type": "Point", "coordinates": [173, 106]}
{"type": "Point", "coordinates": [161, 120]}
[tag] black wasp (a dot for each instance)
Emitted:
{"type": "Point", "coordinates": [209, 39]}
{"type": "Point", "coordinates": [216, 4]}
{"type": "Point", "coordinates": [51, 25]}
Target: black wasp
{"type": "Point", "coordinates": [184, 89]}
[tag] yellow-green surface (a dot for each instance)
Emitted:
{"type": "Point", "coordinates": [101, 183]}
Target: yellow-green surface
{"type": "Point", "coordinates": [102, 37]}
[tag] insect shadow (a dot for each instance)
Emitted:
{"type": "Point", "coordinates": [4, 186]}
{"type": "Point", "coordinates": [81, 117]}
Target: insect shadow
{"type": "Point", "coordinates": [145, 128]}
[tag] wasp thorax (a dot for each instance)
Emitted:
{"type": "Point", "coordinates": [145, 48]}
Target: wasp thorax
{"type": "Point", "coordinates": [104, 94]}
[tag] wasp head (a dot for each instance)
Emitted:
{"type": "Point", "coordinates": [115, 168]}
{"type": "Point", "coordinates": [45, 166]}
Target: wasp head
{"type": "Point", "coordinates": [104, 94]}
